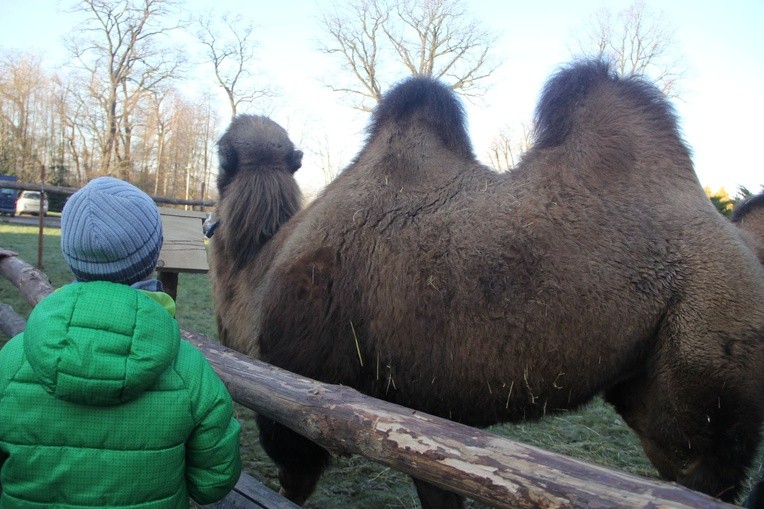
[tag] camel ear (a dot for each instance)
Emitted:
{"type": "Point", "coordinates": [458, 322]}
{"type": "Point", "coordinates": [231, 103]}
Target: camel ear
{"type": "Point", "coordinates": [227, 157]}
{"type": "Point", "coordinates": [295, 162]}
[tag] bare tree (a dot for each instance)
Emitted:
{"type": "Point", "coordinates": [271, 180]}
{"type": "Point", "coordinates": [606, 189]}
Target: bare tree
{"type": "Point", "coordinates": [59, 121]}
{"type": "Point", "coordinates": [208, 132]}
{"type": "Point", "coordinates": [380, 41]}
{"type": "Point", "coordinates": [25, 113]}
{"type": "Point", "coordinates": [637, 41]}
{"type": "Point", "coordinates": [82, 129]}
{"type": "Point", "coordinates": [117, 46]}
{"type": "Point", "coordinates": [506, 148]}
{"type": "Point", "coordinates": [330, 166]}
{"type": "Point", "coordinates": [230, 48]}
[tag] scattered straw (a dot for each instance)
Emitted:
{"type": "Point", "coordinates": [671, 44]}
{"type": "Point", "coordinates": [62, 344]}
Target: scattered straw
{"type": "Point", "coordinates": [357, 346]}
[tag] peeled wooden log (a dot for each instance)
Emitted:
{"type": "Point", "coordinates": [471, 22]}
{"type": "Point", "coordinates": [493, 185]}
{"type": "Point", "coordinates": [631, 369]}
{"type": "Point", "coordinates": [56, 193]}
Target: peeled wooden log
{"type": "Point", "coordinates": [33, 284]}
{"type": "Point", "coordinates": [478, 464]}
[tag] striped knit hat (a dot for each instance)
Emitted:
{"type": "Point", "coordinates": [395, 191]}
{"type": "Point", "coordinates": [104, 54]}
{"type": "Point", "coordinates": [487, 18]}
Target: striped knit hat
{"type": "Point", "coordinates": [111, 231]}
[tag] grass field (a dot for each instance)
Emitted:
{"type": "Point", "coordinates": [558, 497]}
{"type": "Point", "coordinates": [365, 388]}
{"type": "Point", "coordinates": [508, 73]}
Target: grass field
{"type": "Point", "coordinates": [595, 434]}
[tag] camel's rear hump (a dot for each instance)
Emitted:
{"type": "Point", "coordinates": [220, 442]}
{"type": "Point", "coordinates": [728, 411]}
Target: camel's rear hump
{"type": "Point", "coordinates": [749, 217]}
{"type": "Point", "coordinates": [606, 126]}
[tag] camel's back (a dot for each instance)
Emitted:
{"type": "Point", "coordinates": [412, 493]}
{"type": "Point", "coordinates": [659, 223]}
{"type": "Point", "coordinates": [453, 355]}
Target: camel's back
{"type": "Point", "coordinates": [418, 270]}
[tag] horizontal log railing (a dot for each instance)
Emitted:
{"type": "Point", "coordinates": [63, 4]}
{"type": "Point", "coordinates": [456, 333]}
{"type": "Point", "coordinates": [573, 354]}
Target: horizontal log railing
{"type": "Point", "coordinates": [494, 470]}
{"type": "Point", "coordinates": [24, 186]}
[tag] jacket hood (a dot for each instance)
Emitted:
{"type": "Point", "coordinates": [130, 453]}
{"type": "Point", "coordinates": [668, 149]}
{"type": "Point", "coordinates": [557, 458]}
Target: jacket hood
{"type": "Point", "coordinates": [99, 343]}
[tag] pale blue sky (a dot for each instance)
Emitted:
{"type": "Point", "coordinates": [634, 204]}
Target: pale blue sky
{"type": "Point", "coordinates": [721, 109]}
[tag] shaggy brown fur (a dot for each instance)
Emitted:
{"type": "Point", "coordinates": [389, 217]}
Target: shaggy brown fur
{"type": "Point", "coordinates": [749, 217]}
{"type": "Point", "coordinates": [257, 163]}
{"type": "Point", "coordinates": [598, 265]}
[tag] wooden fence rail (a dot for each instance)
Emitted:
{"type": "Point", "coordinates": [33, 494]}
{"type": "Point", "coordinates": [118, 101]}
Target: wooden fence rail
{"type": "Point", "coordinates": [23, 186]}
{"type": "Point", "coordinates": [497, 471]}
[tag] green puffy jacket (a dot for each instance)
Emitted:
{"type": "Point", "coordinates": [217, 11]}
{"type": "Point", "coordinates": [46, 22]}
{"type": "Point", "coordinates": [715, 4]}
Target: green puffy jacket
{"type": "Point", "coordinates": [103, 405]}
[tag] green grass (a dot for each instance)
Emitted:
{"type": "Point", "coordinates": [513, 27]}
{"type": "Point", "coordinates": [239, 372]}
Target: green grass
{"type": "Point", "coordinates": [24, 241]}
{"type": "Point", "coordinates": [595, 433]}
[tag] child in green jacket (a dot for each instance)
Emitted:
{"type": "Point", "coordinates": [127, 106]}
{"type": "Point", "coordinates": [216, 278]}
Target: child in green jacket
{"type": "Point", "coordinates": [101, 402]}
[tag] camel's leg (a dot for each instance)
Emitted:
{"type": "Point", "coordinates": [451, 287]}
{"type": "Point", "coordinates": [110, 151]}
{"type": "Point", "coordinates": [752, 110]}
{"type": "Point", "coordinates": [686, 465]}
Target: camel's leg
{"type": "Point", "coordinates": [432, 497]}
{"type": "Point", "coordinates": [300, 461]}
{"type": "Point", "coordinates": [691, 435]}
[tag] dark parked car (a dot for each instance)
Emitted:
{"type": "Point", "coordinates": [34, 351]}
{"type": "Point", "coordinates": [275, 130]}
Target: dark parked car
{"type": "Point", "coordinates": [8, 196]}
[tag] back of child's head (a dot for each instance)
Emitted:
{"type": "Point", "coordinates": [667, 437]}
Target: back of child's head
{"type": "Point", "coordinates": [111, 231]}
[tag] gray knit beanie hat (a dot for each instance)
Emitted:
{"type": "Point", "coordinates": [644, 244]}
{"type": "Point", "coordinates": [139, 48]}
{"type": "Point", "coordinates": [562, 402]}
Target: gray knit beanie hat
{"type": "Point", "coordinates": [111, 231]}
